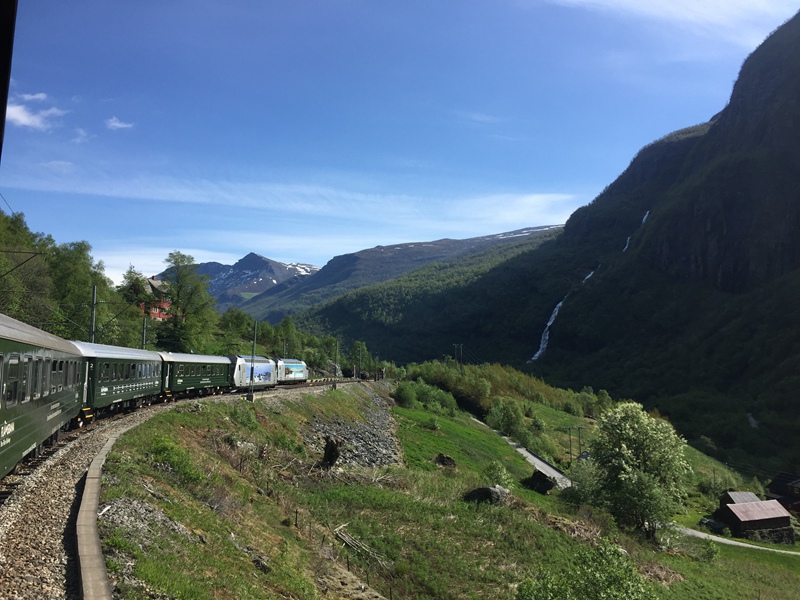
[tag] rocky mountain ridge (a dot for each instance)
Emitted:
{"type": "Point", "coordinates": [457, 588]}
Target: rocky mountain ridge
{"type": "Point", "coordinates": [253, 274]}
{"type": "Point", "coordinates": [269, 290]}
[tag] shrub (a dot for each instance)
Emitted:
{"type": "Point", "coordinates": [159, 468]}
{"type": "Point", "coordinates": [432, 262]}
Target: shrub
{"type": "Point", "coordinates": [405, 394]}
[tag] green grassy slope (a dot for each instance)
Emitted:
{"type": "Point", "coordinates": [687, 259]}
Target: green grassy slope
{"type": "Point", "coordinates": [235, 509]}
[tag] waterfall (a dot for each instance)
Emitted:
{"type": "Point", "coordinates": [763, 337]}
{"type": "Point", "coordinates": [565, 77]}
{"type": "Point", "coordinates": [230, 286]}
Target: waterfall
{"type": "Point", "coordinates": [546, 332]}
{"type": "Point", "coordinates": [628, 243]}
{"type": "Point", "coordinates": [644, 218]}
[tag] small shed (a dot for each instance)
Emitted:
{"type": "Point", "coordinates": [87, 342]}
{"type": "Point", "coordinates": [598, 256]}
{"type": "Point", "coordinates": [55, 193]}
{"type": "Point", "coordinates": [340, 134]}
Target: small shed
{"type": "Point", "coordinates": [731, 497]}
{"type": "Point", "coordinates": [754, 516]}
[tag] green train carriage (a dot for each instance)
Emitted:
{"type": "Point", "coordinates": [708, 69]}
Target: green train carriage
{"type": "Point", "coordinates": [120, 378]}
{"type": "Point", "coordinates": [194, 374]}
{"type": "Point", "coordinates": [41, 390]}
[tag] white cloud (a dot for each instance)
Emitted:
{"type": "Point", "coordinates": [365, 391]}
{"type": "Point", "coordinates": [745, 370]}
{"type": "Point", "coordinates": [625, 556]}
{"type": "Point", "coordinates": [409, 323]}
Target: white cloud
{"type": "Point", "coordinates": [114, 123]}
{"type": "Point", "coordinates": [745, 22]}
{"type": "Point", "coordinates": [31, 97]}
{"type": "Point", "coordinates": [42, 120]}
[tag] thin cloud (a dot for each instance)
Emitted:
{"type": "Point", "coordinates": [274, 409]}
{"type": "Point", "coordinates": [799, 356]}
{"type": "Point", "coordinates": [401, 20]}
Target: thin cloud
{"type": "Point", "coordinates": [114, 124]}
{"type": "Point", "coordinates": [81, 136]}
{"type": "Point", "coordinates": [42, 120]}
{"type": "Point", "coordinates": [745, 22]}
{"type": "Point", "coordinates": [59, 166]}
{"type": "Point", "coordinates": [479, 117]}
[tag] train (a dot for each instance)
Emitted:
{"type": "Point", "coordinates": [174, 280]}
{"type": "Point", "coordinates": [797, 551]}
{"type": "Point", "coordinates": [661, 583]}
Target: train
{"type": "Point", "coordinates": [49, 385]}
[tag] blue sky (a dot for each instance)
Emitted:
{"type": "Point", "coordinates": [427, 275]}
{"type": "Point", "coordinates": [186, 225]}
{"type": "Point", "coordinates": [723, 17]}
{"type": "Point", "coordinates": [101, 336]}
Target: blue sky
{"type": "Point", "coordinates": [302, 130]}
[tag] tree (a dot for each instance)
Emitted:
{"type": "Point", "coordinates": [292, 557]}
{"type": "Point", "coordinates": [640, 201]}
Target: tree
{"type": "Point", "coordinates": [642, 467]}
{"type": "Point", "coordinates": [193, 316]}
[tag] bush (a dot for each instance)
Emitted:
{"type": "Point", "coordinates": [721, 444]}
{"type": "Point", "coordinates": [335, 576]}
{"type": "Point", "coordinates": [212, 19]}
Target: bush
{"type": "Point", "coordinates": [405, 394]}
{"type": "Point", "coordinates": [497, 474]}
{"type": "Point", "coordinates": [168, 456]}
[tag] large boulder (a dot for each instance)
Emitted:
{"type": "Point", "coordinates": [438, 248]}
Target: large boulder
{"type": "Point", "coordinates": [494, 495]}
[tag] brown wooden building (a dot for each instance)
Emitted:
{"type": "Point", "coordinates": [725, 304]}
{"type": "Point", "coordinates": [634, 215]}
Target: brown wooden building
{"type": "Point", "coordinates": [754, 516]}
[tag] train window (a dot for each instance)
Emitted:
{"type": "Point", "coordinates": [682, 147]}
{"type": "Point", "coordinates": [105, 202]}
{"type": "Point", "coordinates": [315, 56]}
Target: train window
{"type": "Point", "coordinates": [133, 371]}
{"type": "Point", "coordinates": [37, 378]}
{"type": "Point", "coordinates": [46, 377]}
{"type": "Point", "coordinates": [26, 387]}
{"type": "Point", "coordinates": [179, 370]}
{"type": "Point", "coordinates": [60, 375]}
{"type": "Point", "coordinates": [105, 371]}
{"type": "Point", "coordinates": [69, 374]}
{"type": "Point", "coordinates": [12, 385]}
{"type": "Point", "coordinates": [53, 377]}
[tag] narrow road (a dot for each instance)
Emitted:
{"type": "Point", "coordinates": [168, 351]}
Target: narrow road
{"type": "Point", "coordinates": [562, 481]}
{"type": "Point", "coordinates": [728, 541]}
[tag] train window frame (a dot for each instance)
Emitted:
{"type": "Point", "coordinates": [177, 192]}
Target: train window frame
{"type": "Point", "coordinates": [54, 376]}
{"type": "Point", "coordinates": [12, 384]}
{"type": "Point", "coordinates": [46, 376]}
{"type": "Point", "coordinates": [179, 370]}
{"type": "Point", "coordinates": [36, 382]}
{"type": "Point", "coordinates": [25, 391]}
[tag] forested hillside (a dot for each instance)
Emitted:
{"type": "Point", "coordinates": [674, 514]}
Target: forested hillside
{"type": "Point", "coordinates": [695, 263]}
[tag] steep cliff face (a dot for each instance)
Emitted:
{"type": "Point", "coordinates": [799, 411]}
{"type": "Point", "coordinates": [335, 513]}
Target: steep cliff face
{"type": "Point", "coordinates": [694, 309]}
{"type": "Point", "coordinates": [724, 196]}
{"type": "Point", "coordinates": [732, 216]}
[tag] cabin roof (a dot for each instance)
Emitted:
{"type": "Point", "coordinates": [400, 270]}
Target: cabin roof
{"type": "Point", "coordinates": [758, 511]}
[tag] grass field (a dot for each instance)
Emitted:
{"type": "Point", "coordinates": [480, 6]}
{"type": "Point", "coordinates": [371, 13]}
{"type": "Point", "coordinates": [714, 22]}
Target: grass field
{"type": "Point", "coordinates": [236, 509]}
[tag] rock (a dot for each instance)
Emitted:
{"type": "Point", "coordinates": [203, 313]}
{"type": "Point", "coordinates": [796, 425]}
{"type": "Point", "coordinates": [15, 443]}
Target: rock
{"type": "Point", "coordinates": [443, 460]}
{"type": "Point", "coordinates": [494, 495]}
{"type": "Point", "coordinates": [333, 445]}
{"type": "Point", "coordinates": [539, 482]}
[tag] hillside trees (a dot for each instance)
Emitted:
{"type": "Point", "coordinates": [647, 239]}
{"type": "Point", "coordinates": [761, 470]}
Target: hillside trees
{"type": "Point", "coordinates": [641, 466]}
{"type": "Point", "coordinates": [194, 317]}
{"type": "Point", "coordinates": [24, 278]}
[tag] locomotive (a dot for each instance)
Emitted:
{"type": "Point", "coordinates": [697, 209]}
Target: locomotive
{"type": "Point", "coordinates": [48, 384]}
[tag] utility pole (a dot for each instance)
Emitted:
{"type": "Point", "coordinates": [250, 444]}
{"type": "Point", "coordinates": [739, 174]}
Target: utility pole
{"type": "Point", "coordinates": [458, 354]}
{"type": "Point", "coordinates": [94, 309]}
{"type": "Point", "coordinates": [144, 332]}
{"type": "Point", "coordinates": [250, 396]}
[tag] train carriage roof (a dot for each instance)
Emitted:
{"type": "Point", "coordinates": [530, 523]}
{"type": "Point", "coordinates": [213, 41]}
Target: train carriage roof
{"type": "Point", "coordinates": [11, 329]}
{"type": "Point", "coordinates": [104, 351]}
{"type": "Point", "coordinates": [205, 359]}
{"type": "Point", "coordinates": [250, 358]}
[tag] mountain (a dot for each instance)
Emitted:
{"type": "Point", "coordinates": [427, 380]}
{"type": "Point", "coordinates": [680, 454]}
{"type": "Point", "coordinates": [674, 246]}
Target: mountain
{"type": "Point", "coordinates": [677, 286]}
{"type": "Point", "coordinates": [367, 267]}
{"type": "Point", "coordinates": [252, 275]}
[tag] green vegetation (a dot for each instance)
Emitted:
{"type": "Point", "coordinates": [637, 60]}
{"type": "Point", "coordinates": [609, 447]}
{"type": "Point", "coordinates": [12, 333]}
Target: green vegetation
{"type": "Point", "coordinates": [640, 468]}
{"type": "Point", "coordinates": [241, 511]}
